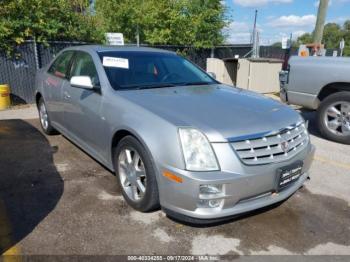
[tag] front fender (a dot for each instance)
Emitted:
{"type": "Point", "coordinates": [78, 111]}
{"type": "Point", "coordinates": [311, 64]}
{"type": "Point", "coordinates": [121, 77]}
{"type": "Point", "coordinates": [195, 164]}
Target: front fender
{"type": "Point", "coordinates": [158, 136]}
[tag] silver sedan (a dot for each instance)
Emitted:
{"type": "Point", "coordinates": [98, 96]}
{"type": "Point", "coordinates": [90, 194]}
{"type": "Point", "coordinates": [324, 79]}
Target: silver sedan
{"type": "Point", "coordinates": [174, 136]}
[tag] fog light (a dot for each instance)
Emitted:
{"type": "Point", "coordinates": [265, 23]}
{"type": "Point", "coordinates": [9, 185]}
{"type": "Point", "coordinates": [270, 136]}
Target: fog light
{"type": "Point", "coordinates": [210, 189]}
{"type": "Point", "coordinates": [215, 203]}
{"type": "Point", "coordinates": [210, 196]}
{"type": "Point", "coordinates": [206, 203]}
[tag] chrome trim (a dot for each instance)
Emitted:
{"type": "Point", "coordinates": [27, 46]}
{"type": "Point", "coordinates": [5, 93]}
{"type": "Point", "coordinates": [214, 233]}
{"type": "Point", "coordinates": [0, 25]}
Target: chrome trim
{"type": "Point", "coordinates": [263, 134]}
{"type": "Point", "coordinates": [260, 149]}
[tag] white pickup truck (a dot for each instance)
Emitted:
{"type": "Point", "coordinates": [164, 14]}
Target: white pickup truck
{"type": "Point", "coordinates": [322, 84]}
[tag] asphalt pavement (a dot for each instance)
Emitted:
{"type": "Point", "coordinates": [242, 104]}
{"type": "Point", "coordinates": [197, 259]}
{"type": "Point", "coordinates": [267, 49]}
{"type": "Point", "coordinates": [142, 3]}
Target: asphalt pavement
{"type": "Point", "coordinates": [56, 200]}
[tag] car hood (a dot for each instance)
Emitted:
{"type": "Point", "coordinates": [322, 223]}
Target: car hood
{"type": "Point", "coordinates": [221, 112]}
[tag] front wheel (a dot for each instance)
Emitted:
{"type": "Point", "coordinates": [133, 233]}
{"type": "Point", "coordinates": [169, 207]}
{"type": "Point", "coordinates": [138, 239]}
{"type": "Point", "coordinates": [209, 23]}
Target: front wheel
{"type": "Point", "coordinates": [44, 119]}
{"type": "Point", "coordinates": [333, 117]}
{"type": "Point", "coordinates": [136, 175]}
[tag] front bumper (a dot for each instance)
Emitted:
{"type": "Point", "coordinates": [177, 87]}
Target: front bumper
{"type": "Point", "coordinates": [250, 188]}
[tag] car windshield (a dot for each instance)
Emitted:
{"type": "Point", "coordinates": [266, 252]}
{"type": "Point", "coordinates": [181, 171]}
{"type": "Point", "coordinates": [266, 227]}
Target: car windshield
{"type": "Point", "coordinates": [141, 70]}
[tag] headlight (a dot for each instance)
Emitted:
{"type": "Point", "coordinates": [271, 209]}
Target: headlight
{"type": "Point", "coordinates": [197, 151]}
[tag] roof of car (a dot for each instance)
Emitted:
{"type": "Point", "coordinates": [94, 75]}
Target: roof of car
{"type": "Point", "coordinates": [105, 48]}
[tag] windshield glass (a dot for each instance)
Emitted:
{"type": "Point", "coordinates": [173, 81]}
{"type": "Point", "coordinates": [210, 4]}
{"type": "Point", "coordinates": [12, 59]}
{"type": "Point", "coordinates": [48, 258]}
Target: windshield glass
{"type": "Point", "coordinates": [139, 70]}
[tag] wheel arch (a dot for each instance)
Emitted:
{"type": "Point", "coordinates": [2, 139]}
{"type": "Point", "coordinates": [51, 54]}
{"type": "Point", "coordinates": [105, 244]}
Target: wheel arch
{"type": "Point", "coordinates": [332, 88]}
{"type": "Point", "coordinates": [119, 135]}
{"type": "Point", "coordinates": [38, 95]}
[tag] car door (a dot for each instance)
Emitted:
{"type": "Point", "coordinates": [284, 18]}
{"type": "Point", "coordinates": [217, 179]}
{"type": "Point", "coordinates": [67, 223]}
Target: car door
{"type": "Point", "coordinates": [53, 85]}
{"type": "Point", "coordinates": [82, 117]}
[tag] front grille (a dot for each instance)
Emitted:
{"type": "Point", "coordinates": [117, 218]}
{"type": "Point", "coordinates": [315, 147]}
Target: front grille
{"type": "Point", "coordinates": [273, 146]}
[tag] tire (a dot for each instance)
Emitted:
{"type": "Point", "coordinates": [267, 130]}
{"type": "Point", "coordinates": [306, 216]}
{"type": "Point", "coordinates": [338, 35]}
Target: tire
{"type": "Point", "coordinates": [130, 173]}
{"type": "Point", "coordinates": [333, 117]}
{"type": "Point", "coordinates": [44, 119]}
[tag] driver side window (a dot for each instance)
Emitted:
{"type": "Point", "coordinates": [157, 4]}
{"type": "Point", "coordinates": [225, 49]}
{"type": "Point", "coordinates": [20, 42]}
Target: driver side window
{"type": "Point", "coordinates": [83, 65]}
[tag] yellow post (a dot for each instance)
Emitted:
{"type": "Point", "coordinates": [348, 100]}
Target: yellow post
{"type": "Point", "coordinates": [5, 101]}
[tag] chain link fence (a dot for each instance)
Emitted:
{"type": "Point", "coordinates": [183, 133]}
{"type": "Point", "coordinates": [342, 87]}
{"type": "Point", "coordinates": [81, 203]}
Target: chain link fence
{"type": "Point", "coordinates": [19, 72]}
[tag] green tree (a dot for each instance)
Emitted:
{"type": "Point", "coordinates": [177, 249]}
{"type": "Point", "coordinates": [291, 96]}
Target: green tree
{"type": "Point", "coordinates": [332, 35]}
{"type": "Point", "coordinates": [347, 26]}
{"type": "Point", "coordinates": [119, 16]}
{"type": "Point", "coordinates": [45, 20]}
{"type": "Point", "coordinates": [346, 31]}
{"type": "Point", "coordinates": [305, 39]}
{"type": "Point", "coordinates": [179, 22]}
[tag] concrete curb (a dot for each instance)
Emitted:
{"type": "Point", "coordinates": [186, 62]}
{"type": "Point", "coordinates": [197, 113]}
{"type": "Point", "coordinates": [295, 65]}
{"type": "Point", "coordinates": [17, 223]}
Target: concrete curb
{"type": "Point", "coordinates": [29, 112]}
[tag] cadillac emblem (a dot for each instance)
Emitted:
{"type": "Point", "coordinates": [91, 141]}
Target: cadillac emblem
{"type": "Point", "coordinates": [285, 146]}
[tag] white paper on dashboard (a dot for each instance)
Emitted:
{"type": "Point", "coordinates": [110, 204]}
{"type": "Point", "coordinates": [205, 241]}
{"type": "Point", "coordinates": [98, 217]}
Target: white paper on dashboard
{"type": "Point", "coordinates": [115, 62]}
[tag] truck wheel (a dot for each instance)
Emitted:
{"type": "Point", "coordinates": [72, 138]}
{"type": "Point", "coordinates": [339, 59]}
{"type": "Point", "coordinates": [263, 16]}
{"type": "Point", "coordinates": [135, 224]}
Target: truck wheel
{"type": "Point", "coordinates": [136, 175]}
{"type": "Point", "coordinates": [333, 117]}
{"type": "Point", "coordinates": [44, 119]}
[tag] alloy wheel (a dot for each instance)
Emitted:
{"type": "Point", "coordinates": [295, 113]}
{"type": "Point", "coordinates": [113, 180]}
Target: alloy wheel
{"type": "Point", "coordinates": [132, 174]}
{"type": "Point", "coordinates": [337, 118]}
{"type": "Point", "coordinates": [43, 116]}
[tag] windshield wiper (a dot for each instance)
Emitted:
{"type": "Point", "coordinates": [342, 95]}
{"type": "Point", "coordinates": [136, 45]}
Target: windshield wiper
{"type": "Point", "coordinates": [161, 85]}
{"type": "Point", "coordinates": [195, 83]}
{"type": "Point", "coordinates": [139, 87]}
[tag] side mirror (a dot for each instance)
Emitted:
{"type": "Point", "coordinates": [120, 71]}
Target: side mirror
{"type": "Point", "coordinates": [213, 75]}
{"type": "Point", "coordinates": [81, 82]}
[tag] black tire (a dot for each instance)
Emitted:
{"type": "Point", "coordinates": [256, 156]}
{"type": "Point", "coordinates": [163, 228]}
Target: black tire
{"type": "Point", "coordinates": [48, 128]}
{"type": "Point", "coordinates": [150, 199]}
{"type": "Point", "coordinates": [321, 114]}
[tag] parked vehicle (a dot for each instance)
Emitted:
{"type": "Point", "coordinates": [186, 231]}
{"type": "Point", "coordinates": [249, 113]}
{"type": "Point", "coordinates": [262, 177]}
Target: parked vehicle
{"type": "Point", "coordinates": [174, 136]}
{"type": "Point", "coordinates": [322, 84]}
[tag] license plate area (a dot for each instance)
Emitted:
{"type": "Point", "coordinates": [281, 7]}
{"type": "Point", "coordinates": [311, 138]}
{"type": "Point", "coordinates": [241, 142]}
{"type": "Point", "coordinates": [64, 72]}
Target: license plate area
{"type": "Point", "coordinates": [288, 175]}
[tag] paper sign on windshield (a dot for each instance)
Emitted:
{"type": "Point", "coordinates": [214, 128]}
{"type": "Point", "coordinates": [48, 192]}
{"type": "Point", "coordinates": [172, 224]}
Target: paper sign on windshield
{"type": "Point", "coordinates": [115, 62]}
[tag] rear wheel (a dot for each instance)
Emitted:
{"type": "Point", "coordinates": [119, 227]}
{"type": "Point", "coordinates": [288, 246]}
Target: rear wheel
{"type": "Point", "coordinates": [333, 117]}
{"type": "Point", "coordinates": [136, 175]}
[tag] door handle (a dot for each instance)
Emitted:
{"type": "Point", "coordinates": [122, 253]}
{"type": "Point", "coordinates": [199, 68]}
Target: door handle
{"type": "Point", "coordinates": [66, 95]}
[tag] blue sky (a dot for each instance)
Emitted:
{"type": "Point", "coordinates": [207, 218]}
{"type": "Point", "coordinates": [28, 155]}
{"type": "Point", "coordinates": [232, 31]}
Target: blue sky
{"type": "Point", "coordinates": [278, 18]}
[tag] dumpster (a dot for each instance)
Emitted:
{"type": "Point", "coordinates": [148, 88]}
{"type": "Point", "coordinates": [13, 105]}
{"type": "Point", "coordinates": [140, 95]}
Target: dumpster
{"type": "Point", "coordinates": [259, 74]}
{"type": "Point", "coordinates": [256, 74]}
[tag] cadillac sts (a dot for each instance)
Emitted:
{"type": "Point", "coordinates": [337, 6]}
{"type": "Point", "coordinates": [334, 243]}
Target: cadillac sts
{"type": "Point", "coordinates": [175, 137]}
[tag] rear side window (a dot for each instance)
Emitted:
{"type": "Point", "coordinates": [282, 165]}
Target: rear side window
{"type": "Point", "coordinates": [61, 65]}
